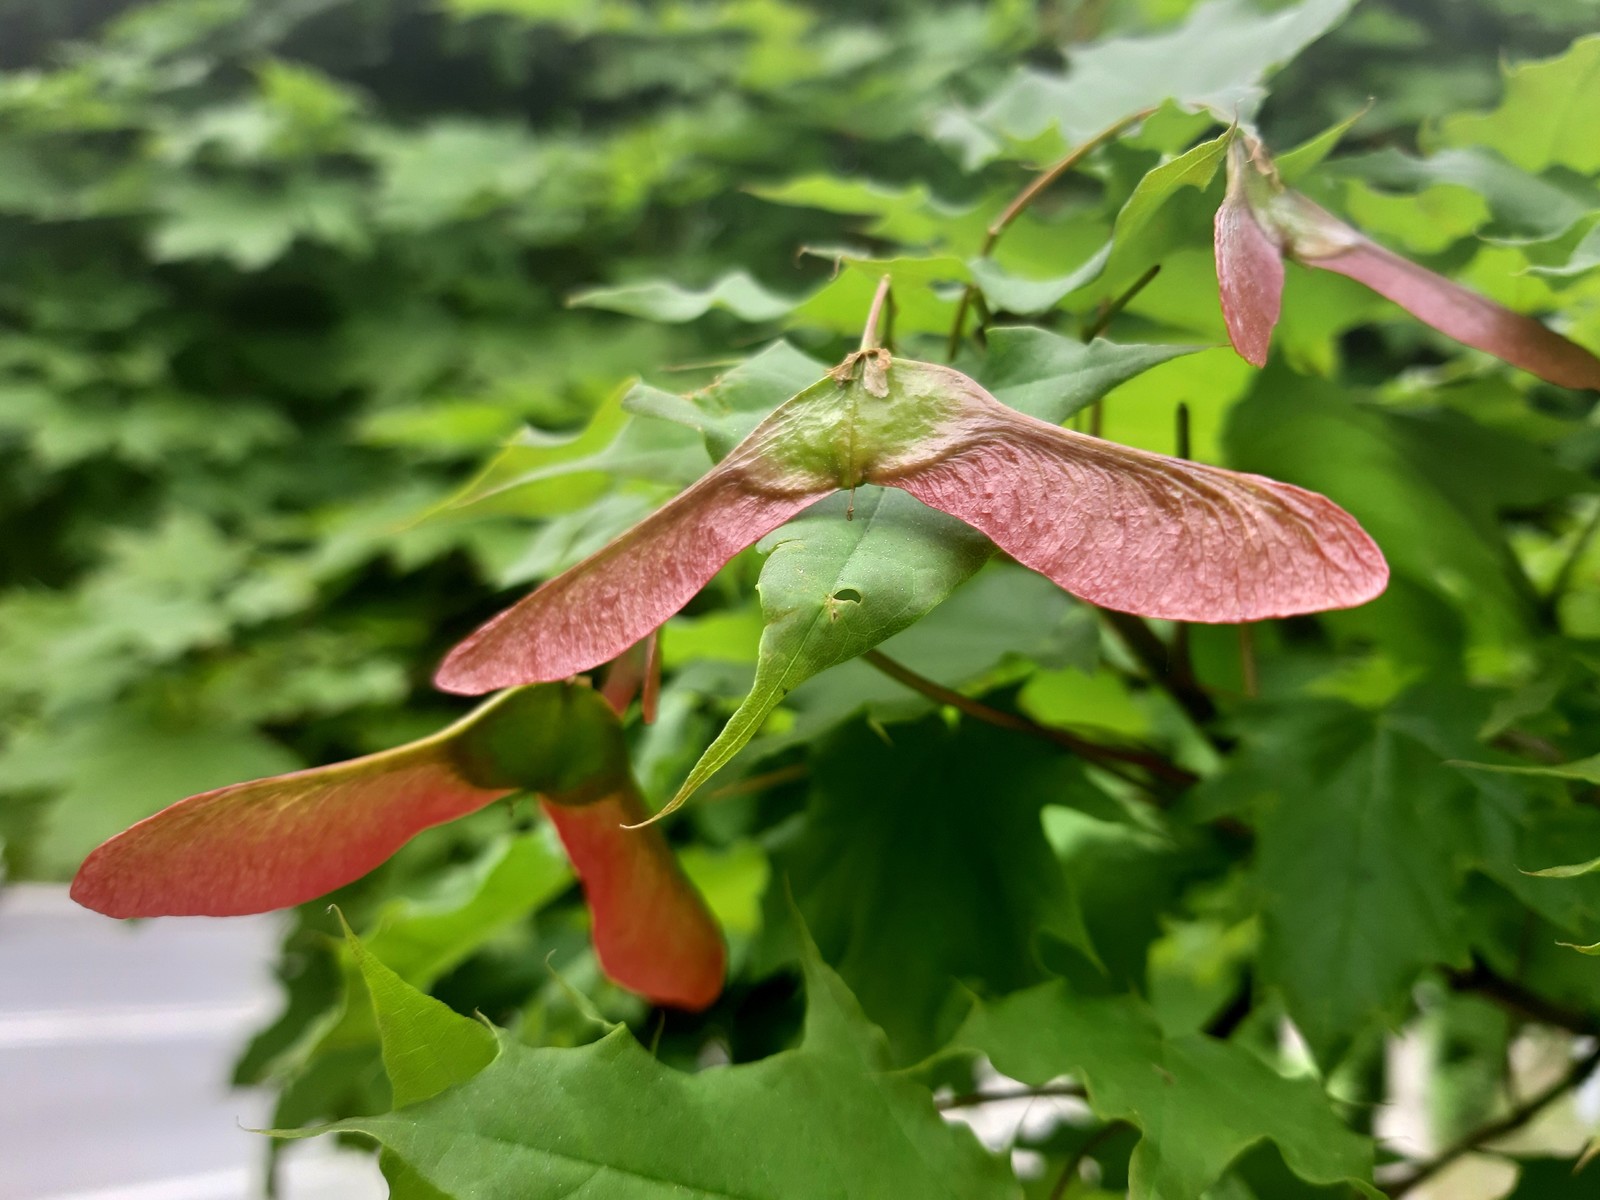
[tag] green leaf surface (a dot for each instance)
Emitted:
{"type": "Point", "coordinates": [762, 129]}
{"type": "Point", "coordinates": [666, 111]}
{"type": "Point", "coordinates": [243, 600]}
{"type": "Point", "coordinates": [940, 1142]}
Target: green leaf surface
{"type": "Point", "coordinates": [1552, 1179]}
{"type": "Point", "coordinates": [421, 938]}
{"type": "Point", "coordinates": [1584, 258]}
{"type": "Point", "coordinates": [1548, 117]}
{"type": "Point", "coordinates": [1428, 486]}
{"type": "Point", "coordinates": [1216, 59]}
{"type": "Point", "coordinates": [1199, 1102]}
{"type": "Point", "coordinates": [1585, 770]}
{"type": "Point", "coordinates": [427, 1047]}
{"type": "Point", "coordinates": [539, 474]}
{"type": "Point", "coordinates": [727, 410]}
{"type": "Point", "coordinates": [1301, 160]}
{"type": "Point", "coordinates": [834, 587]}
{"type": "Point", "coordinates": [906, 836]}
{"type": "Point", "coordinates": [607, 1117]}
{"type": "Point", "coordinates": [1359, 865]}
{"type": "Point", "coordinates": [1523, 205]}
{"type": "Point", "coordinates": [737, 293]}
{"type": "Point", "coordinates": [1569, 872]}
{"type": "Point", "coordinates": [926, 289]}
{"type": "Point", "coordinates": [1194, 168]}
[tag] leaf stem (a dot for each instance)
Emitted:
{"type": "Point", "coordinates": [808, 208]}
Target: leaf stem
{"type": "Point", "coordinates": [1099, 1138]}
{"type": "Point", "coordinates": [1019, 204]}
{"type": "Point", "coordinates": [1108, 311]}
{"type": "Point", "coordinates": [1154, 655]}
{"type": "Point", "coordinates": [880, 299]}
{"type": "Point", "coordinates": [1551, 601]}
{"type": "Point", "coordinates": [759, 783]}
{"type": "Point", "coordinates": [1510, 1123]}
{"type": "Point", "coordinates": [1101, 755]}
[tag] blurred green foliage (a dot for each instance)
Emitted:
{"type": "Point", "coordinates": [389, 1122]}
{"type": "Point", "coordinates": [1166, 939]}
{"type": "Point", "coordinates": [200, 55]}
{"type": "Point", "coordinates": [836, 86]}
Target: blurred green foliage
{"type": "Point", "coordinates": [328, 326]}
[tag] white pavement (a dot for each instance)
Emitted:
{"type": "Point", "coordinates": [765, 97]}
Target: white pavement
{"type": "Point", "coordinates": [116, 1042]}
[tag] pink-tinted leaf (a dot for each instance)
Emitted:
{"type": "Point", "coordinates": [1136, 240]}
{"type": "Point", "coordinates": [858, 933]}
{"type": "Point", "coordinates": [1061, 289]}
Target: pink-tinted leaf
{"type": "Point", "coordinates": [1249, 269]}
{"type": "Point", "coordinates": [1471, 319]}
{"type": "Point", "coordinates": [652, 931]}
{"type": "Point", "coordinates": [277, 842]}
{"type": "Point", "coordinates": [1134, 531]}
{"type": "Point", "coordinates": [617, 596]}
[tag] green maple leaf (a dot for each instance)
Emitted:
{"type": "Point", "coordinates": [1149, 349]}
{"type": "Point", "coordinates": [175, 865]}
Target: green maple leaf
{"type": "Point", "coordinates": [824, 1119]}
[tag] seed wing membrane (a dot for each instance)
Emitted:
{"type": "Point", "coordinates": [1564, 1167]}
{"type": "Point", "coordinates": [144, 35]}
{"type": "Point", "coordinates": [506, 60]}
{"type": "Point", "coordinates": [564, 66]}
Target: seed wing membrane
{"type": "Point", "coordinates": [1140, 532]}
{"type": "Point", "coordinates": [623, 592]}
{"type": "Point", "coordinates": [277, 842]}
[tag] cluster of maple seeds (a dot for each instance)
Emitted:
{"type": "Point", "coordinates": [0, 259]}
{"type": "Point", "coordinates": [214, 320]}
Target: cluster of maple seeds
{"type": "Point", "coordinates": [1124, 529]}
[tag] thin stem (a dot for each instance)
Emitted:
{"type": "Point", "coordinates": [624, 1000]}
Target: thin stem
{"type": "Point", "coordinates": [1248, 674]}
{"type": "Point", "coordinates": [1551, 601]}
{"type": "Point", "coordinates": [1225, 1023]}
{"type": "Point", "coordinates": [760, 783]}
{"type": "Point", "coordinates": [1108, 312]}
{"type": "Point", "coordinates": [1510, 1123]}
{"type": "Point", "coordinates": [1095, 752]}
{"type": "Point", "coordinates": [1518, 1000]}
{"type": "Point", "coordinates": [1049, 175]}
{"type": "Point", "coordinates": [1019, 204]}
{"type": "Point", "coordinates": [1153, 654]}
{"type": "Point", "coordinates": [869, 334]}
{"type": "Point", "coordinates": [1100, 1137]}
{"type": "Point", "coordinates": [973, 1099]}
{"type": "Point", "coordinates": [1182, 663]}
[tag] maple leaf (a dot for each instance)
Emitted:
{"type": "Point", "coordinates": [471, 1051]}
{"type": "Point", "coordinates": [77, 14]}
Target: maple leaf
{"type": "Point", "coordinates": [1122, 528]}
{"type": "Point", "coordinates": [276, 842]}
{"type": "Point", "coordinates": [1261, 222]}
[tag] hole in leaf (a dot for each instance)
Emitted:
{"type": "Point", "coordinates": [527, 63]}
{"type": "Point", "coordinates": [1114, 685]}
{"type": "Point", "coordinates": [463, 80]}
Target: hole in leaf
{"type": "Point", "coordinates": [848, 596]}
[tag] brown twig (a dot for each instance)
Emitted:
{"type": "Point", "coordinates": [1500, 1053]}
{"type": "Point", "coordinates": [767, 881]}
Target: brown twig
{"type": "Point", "coordinates": [1493, 1130]}
{"type": "Point", "coordinates": [1096, 752]}
{"type": "Point", "coordinates": [1019, 204]}
{"type": "Point", "coordinates": [973, 1099]}
{"type": "Point", "coordinates": [1099, 1138]}
{"type": "Point", "coordinates": [1518, 1000]}
{"type": "Point", "coordinates": [1153, 654]}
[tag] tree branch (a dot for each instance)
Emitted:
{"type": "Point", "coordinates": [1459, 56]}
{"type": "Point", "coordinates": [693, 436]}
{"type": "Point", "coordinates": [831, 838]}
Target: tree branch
{"type": "Point", "coordinates": [1518, 1000]}
{"type": "Point", "coordinates": [1153, 654]}
{"type": "Point", "coordinates": [1493, 1130]}
{"type": "Point", "coordinates": [1095, 752]}
{"type": "Point", "coordinates": [973, 1099]}
{"type": "Point", "coordinates": [1019, 204]}
{"type": "Point", "coordinates": [1099, 1138]}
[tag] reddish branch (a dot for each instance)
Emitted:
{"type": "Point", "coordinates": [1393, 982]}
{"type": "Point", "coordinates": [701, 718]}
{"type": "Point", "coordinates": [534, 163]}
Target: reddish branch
{"type": "Point", "coordinates": [1019, 204]}
{"type": "Point", "coordinates": [1096, 752]}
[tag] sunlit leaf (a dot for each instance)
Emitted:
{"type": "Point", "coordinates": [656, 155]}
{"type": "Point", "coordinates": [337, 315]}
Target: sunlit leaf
{"type": "Point", "coordinates": [1548, 117]}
